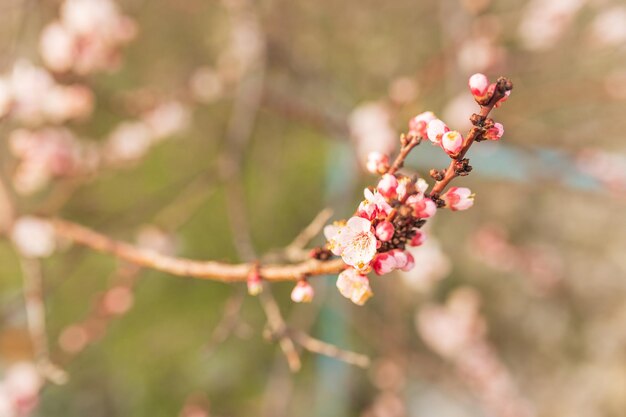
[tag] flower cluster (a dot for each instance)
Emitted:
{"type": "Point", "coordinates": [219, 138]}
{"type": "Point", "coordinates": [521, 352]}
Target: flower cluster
{"type": "Point", "coordinates": [389, 219]}
{"type": "Point", "coordinates": [49, 153]}
{"type": "Point", "coordinates": [46, 154]}
{"type": "Point", "coordinates": [387, 223]}
{"type": "Point", "coordinates": [29, 94]}
{"type": "Point", "coordinates": [86, 38]}
{"type": "Point", "coordinates": [374, 239]}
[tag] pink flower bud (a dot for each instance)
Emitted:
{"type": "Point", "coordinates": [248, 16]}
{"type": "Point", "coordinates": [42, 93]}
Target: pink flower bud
{"type": "Point", "coordinates": [423, 208]}
{"type": "Point", "coordinates": [387, 185]}
{"type": "Point", "coordinates": [452, 142]}
{"type": "Point", "coordinates": [479, 84]}
{"type": "Point", "coordinates": [495, 132]}
{"type": "Point", "coordinates": [402, 187]}
{"type": "Point", "coordinates": [458, 198]}
{"type": "Point", "coordinates": [255, 285]}
{"type": "Point", "coordinates": [419, 124]}
{"type": "Point", "coordinates": [377, 163]}
{"type": "Point", "coordinates": [384, 231]}
{"type": "Point", "coordinates": [418, 239]}
{"type": "Point", "coordinates": [384, 263]}
{"type": "Point", "coordinates": [421, 185]}
{"type": "Point", "coordinates": [367, 210]}
{"type": "Point", "coordinates": [303, 292]}
{"type": "Point", "coordinates": [404, 260]}
{"type": "Point", "coordinates": [410, 262]}
{"type": "Point", "coordinates": [436, 129]}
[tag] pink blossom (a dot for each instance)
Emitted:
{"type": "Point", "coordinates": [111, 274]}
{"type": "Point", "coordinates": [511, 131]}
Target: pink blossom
{"type": "Point", "coordinates": [401, 189]}
{"type": "Point", "coordinates": [387, 186]}
{"type": "Point", "coordinates": [57, 47]}
{"type": "Point", "coordinates": [302, 293]}
{"type": "Point", "coordinates": [410, 263]}
{"type": "Point", "coordinates": [357, 243]}
{"type": "Point", "coordinates": [404, 260]}
{"type": "Point", "coordinates": [377, 163]}
{"type": "Point", "coordinates": [367, 210]}
{"type": "Point", "coordinates": [421, 185]}
{"type": "Point", "coordinates": [382, 207]}
{"type": "Point", "coordinates": [436, 130]}
{"type": "Point", "coordinates": [452, 142]}
{"type": "Point", "coordinates": [423, 207]}
{"type": "Point", "coordinates": [34, 96]}
{"type": "Point", "coordinates": [86, 38]}
{"type": "Point", "coordinates": [384, 231]}
{"type": "Point", "coordinates": [331, 232]}
{"type": "Point", "coordinates": [419, 123]}
{"type": "Point", "coordinates": [355, 286]}
{"type": "Point", "coordinates": [496, 132]}
{"type": "Point", "coordinates": [418, 239]}
{"type": "Point", "coordinates": [384, 263]}
{"type": "Point", "coordinates": [458, 198]}
{"type": "Point", "coordinates": [479, 84]}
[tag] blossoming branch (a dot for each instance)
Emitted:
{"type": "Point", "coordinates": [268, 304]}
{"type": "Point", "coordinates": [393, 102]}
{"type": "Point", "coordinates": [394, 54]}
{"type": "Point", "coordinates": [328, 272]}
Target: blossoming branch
{"type": "Point", "coordinates": [373, 240]}
{"type": "Point", "coordinates": [392, 214]}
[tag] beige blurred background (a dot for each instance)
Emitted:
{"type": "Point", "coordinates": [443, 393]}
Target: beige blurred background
{"type": "Point", "coordinates": [261, 114]}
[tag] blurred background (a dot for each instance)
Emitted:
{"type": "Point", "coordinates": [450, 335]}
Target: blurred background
{"type": "Point", "coordinates": [219, 129]}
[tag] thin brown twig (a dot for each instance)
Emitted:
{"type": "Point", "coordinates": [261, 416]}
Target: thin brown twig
{"type": "Point", "coordinates": [317, 346]}
{"type": "Point", "coordinates": [502, 86]}
{"type": "Point", "coordinates": [398, 163]}
{"type": "Point", "coordinates": [214, 270]}
{"type": "Point", "coordinates": [229, 320]}
{"type": "Point", "coordinates": [278, 328]}
{"type": "Point", "coordinates": [248, 97]}
{"type": "Point", "coordinates": [7, 211]}
{"type": "Point", "coordinates": [295, 249]}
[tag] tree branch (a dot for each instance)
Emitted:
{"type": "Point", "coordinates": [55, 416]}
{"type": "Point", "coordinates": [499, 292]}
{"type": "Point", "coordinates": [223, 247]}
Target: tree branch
{"type": "Point", "coordinates": [213, 270]}
{"type": "Point", "coordinates": [503, 85]}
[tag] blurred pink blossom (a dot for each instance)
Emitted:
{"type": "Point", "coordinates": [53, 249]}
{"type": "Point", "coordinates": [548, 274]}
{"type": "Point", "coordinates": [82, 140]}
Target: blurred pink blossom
{"type": "Point", "coordinates": [457, 332]}
{"type": "Point", "coordinates": [609, 27]}
{"type": "Point", "coordinates": [43, 155]}
{"type": "Point", "coordinates": [19, 390]}
{"type": "Point", "coordinates": [34, 97]}
{"type": "Point", "coordinates": [544, 22]}
{"type": "Point", "coordinates": [33, 237]}
{"type": "Point", "coordinates": [370, 128]}
{"type": "Point", "coordinates": [87, 37]}
{"type": "Point", "coordinates": [431, 266]}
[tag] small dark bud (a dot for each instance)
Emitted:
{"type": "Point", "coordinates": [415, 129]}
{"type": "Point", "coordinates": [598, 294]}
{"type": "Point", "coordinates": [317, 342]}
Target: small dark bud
{"type": "Point", "coordinates": [436, 174]}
